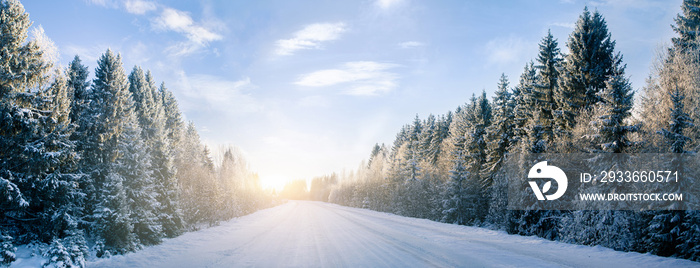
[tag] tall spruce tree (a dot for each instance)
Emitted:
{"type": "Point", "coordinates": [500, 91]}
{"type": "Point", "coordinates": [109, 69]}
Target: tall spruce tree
{"type": "Point", "coordinates": [111, 128]}
{"type": "Point", "coordinates": [617, 100]}
{"type": "Point", "coordinates": [140, 185]}
{"type": "Point", "coordinates": [687, 25]}
{"type": "Point", "coordinates": [78, 85]}
{"type": "Point", "coordinates": [549, 62]}
{"type": "Point", "coordinates": [524, 100]}
{"type": "Point", "coordinates": [152, 120]}
{"type": "Point", "coordinates": [680, 121]}
{"type": "Point", "coordinates": [500, 132]}
{"type": "Point", "coordinates": [586, 68]}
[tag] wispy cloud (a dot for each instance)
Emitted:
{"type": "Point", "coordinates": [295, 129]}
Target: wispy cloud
{"type": "Point", "coordinates": [182, 22]}
{"type": "Point", "coordinates": [385, 4]}
{"type": "Point", "coordinates": [569, 25]}
{"type": "Point", "coordinates": [363, 78]}
{"type": "Point", "coordinates": [503, 51]}
{"type": "Point", "coordinates": [139, 7]}
{"type": "Point", "coordinates": [87, 54]}
{"type": "Point", "coordinates": [103, 3]}
{"type": "Point", "coordinates": [178, 21]}
{"type": "Point", "coordinates": [411, 44]}
{"type": "Point", "coordinates": [207, 92]}
{"type": "Point", "coordinates": [310, 37]}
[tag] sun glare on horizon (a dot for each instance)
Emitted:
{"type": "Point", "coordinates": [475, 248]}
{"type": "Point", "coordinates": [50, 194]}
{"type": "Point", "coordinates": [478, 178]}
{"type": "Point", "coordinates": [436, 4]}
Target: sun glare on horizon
{"type": "Point", "coordinates": [276, 182]}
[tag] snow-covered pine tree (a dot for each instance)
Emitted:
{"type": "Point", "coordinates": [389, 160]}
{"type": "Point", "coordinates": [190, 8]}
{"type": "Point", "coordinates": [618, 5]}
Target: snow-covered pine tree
{"type": "Point", "coordinates": [413, 152]}
{"type": "Point", "coordinates": [453, 203]}
{"type": "Point", "coordinates": [134, 166]}
{"type": "Point", "coordinates": [141, 187]}
{"type": "Point", "coordinates": [78, 86]}
{"type": "Point", "coordinates": [7, 249]}
{"type": "Point", "coordinates": [109, 124]}
{"type": "Point", "coordinates": [680, 121]}
{"type": "Point", "coordinates": [169, 128]}
{"type": "Point", "coordinates": [548, 65]}
{"type": "Point", "coordinates": [476, 147]}
{"type": "Point", "coordinates": [500, 132]}
{"type": "Point", "coordinates": [586, 68]}
{"type": "Point", "coordinates": [687, 26]}
{"type": "Point", "coordinates": [58, 256]}
{"type": "Point", "coordinates": [523, 101]}
{"type": "Point", "coordinates": [429, 140]}
{"type": "Point", "coordinates": [37, 174]}
{"type": "Point", "coordinates": [615, 107]}
{"type": "Point", "coordinates": [412, 191]}
{"type": "Point", "coordinates": [465, 200]}
{"type": "Point", "coordinates": [499, 137]}
{"type": "Point", "coordinates": [16, 54]}
{"type": "Point", "coordinates": [200, 191]}
{"type": "Point", "coordinates": [665, 227]}
{"type": "Point", "coordinates": [174, 126]}
{"type": "Point", "coordinates": [375, 151]}
{"type": "Point", "coordinates": [689, 247]}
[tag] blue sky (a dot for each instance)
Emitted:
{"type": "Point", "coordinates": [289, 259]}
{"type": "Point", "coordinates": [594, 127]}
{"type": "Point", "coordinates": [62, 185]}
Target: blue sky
{"type": "Point", "coordinates": [305, 88]}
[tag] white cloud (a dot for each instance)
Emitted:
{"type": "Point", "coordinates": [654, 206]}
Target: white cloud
{"type": "Point", "coordinates": [504, 51]}
{"type": "Point", "coordinates": [103, 3]}
{"type": "Point", "coordinates": [364, 78]}
{"type": "Point", "coordinates": [411, 44]}
{"type": "Point", "coordinates": [570, 25]}
{"type": "Point", "coordinates": [87, 54]}
{"type": "Point", "coordinates": [207, 92]}
{"type": "Point", "coordinates": [180, 21]}
{"type": "Point", "coordinates": [197, 35]}
{"type": "Point", "coordinates": [139, 7]}
{"type": "Point", "coordinates": [385, 4]}
{"type": "Point", "coordinates": [310, 37]}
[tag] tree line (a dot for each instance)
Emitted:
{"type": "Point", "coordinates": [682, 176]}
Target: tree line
{"type": "Point", "coordinates": [449, 167]}
{"type": "Point", "coordinates": [102, 166]}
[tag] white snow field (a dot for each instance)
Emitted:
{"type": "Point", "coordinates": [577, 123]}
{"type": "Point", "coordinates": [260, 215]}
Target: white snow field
{"type": "Point", "coordinates": [314, 234]}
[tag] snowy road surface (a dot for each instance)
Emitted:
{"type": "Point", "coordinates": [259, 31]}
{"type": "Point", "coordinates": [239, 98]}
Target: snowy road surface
{"type": "Point", "coordinates": [313, 234]}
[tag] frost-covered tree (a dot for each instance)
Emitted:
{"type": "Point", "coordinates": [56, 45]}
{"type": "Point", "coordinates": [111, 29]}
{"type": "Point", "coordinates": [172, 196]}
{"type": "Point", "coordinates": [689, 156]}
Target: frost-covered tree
{"type": "Point", "coordinates": [680, 121]}
{"type": "Point", "coordinates": [78, 85]}
{"type": "Point", "coordinates": [109, 125]}
{"type": "Point", "coordinates": [585, 69]}
{"type": "Point", "coordinates": [500, 132]}
{"type": "Point", "coordinates": [548, 65]}
{"type": "Point", "coordinates": [499, 137]}
{"type": "Point", "coordinates": [612, 130]}
{"type": "Point", "coordinates": [524, 101]}
{"type": "Point", "coordinates": [37, 174]}
{"type": "Point", "coordinates": [173, 117]}
{"type": "Point", "coordinates": [689, 246]}
{"type": "Point", "coordinates": [200, 191]}
{"type": "Point", "coordinates": [7, 250]}
{"type": "Point", "coordinates": [464, 196]}
{"type": "Point", "coordinates": [687, 25]}
{"type": "Point", "coordinates": [166, 140]}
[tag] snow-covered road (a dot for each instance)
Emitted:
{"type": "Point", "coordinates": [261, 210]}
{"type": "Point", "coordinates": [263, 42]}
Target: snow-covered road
{"type": "Point", "coordinates": [313, 234]}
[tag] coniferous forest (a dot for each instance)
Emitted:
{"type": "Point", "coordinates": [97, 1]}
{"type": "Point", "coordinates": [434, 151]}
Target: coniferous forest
{"type": "Point", "coordinates": [449, 168]}
{"type": "Point", "coordinates": [103, 166]}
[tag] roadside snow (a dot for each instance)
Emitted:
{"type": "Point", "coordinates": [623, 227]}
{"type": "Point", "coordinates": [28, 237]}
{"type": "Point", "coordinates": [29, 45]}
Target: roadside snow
{"type": "Point", "coordinates": [313, 234]}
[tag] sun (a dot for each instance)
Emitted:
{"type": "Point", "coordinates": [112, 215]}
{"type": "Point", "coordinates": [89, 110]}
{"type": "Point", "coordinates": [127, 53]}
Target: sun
{"type": "Point", "coordinates": [276, 182]}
